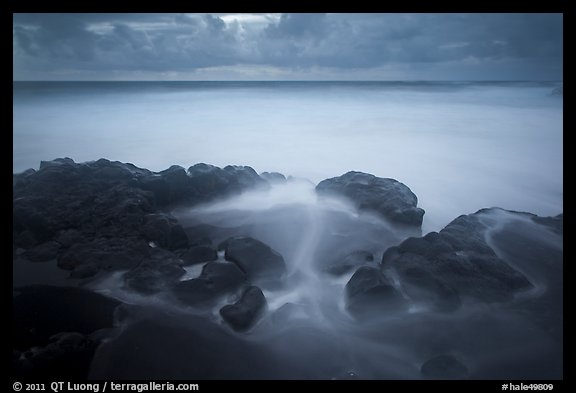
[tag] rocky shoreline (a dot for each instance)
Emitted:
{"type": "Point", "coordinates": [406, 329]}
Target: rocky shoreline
{"type": "Point", "coordinates": [96, 218]}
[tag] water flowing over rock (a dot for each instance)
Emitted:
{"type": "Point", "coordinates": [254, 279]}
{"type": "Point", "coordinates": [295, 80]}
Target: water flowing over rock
{"type": "Point", "coordinates": [256, 259]}
{"type": "Point", "coordinates": [388, 197]}
{"type": "Point", "coordinates": [440, 268]}
{"type": "Point", "coordinates": [216, 279]}
{"type": "Point", "coordinates": [285, 282]}
{"type": "Point", "coordinates": [246, 311]}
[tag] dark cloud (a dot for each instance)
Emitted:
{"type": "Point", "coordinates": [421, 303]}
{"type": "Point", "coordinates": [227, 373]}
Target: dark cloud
{"type": "Point", "coordinates": [45, 43]}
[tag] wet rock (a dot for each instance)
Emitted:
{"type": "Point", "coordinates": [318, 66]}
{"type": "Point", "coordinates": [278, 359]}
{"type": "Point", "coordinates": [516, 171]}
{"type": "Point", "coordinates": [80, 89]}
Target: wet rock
{"type": "Point", "coordinates": [217, 279]}
{"type": "Point", "coordinates": [68, 355]}
{"type": "Point", "coordinates": [43, 252]}
{"type": "Point", "coordinates": [159, 271]}
{"type": "Point", "coordinates": [273, 177]}
{"type": "Point", "coordinates": [243, 314]}
{"type": "Point", "coordinates": [256, 259]}
{"type": "Point", "coordinates": [349, 262]}
{"type": "Point", "coordinates": [106, 253]}
{"type": "Point", "coordinates": [369, 293]}
{"type": "Point", "coordinates": [198, 254]}
{"type": "Point", "coordinates": [440, 269]}
{"type": "Point", "coordinates": [388, 197]}
{"type": "Point", "coordinates": [165, 231]}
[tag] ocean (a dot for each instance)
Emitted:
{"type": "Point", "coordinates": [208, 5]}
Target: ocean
{"type": "Point", "coordinates": [459, 146]}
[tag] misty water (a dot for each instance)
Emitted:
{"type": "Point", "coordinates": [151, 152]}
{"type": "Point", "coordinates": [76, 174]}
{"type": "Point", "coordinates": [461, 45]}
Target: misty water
{"type": "Point", "coordinates": [460, 147]}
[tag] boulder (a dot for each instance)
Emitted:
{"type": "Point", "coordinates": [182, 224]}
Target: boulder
{"type": "Point", "coordinates": [369, 293]}
{"type": "Point", "coordinates": [43, 252]}
{"type": "Point", "coordinates": [243, 314]}
{"type": "Point", "coordinates": [159, 271]}
{"type": "Point", "coordinates": [349, 262]}
{"type": "Point", "coordinates": [198, 254]}
{"type": "Point", "coordinates": [217, 279]}
{"type": "Point", "coordinates": [440, 269]}
{"type": "Point", "coordinates": [209, 181]}
{"type": "Point", "coordinates": [177, 181]}
{"type": "Point", "coordinates": [68, 355]}
{"type": "Point", "coordinates": [256, 259]}
{"type": "Point", "coordinates": [388, 197]}
{"type": "Point", "coordinates": [106, 253]}
{"type": "Point", "coordinates": [165, 231]}
{"type": "Point", "coordinates": [273, 177]}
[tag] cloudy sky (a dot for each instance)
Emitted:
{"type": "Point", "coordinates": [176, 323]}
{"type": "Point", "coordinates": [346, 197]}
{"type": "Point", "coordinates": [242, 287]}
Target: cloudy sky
{"type": "Point", "coordinates": [287, 46]}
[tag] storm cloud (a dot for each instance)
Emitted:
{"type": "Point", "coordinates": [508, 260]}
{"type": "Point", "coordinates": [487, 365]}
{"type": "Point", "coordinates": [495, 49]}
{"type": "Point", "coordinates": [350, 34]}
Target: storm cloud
{"type": "Point", "coordinates": [287, 46]}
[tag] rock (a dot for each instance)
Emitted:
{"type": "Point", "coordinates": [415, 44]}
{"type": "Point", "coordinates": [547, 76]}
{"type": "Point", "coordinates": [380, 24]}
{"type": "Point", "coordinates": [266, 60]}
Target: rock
{"type": "Point", "coordinates": [217, 279]}
{"type": "Point", "coordinates": [244, 177]}
{"type": "Point", "coordinates": [209, 181]}
{"type": "Point", "coordinates": [169, 187]}
{"type": "Point", "coordinates": [444, 367]}
{"type": "Point", "coordinates": [107, 254]}
{"type": "Point", "coordinates": [243, 314]}
{"type": "Point", "coordinates": [165, 231]}
{"type": "Point", "coordinates": [256, 259]}
{"type": "Point", "coordinates": [273, 177]}
{"type": "Point", "coordinates": [69, 237]}
{"type": "Point", "coordinates": [388, 197]}
{"type": "Point", "coordinates": [43, 252]}
{"type": "Point", "coordinates": [68, 355]}
{"type": "Point", "coordinates": [441, 268]}
{"type": "Point", "coordinates": [369, 293]}
{"type": "Point", "coordinates": [85, 270]}
{"type": "Point", "coordinates": [159, 271]}
{"type": "Point", "coordinates": [158, 186]}
{"type": "Point", "coordinates": [198, 254]}
{"type": "Point", "coordinates": [41, 311]}
{"type": "Point", "coordinates": [350, 262]}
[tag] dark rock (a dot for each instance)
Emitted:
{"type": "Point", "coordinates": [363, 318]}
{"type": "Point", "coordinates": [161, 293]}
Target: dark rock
{"type": "Point", "coordinates": [349, 262]}
{"type": "Point", "coordinates": [209, 182]}
{"type": "Point", "coordinates": [556, 224]}
{"type": "Point", "coordinates": [21, 179]}
{"type": "Point", "coordinates": [177, 183]}
{"type": "Point", "coordinates": [243, 314]}
{"type": "Point", "coordinates": [217, 279]}
{"type": "Point", "coordinates": [444, 367]}
{"type": "Point", "coordinates": [244, 177]}
{"type": "Point", "coordinates": [159, 271]}
{"type": "Point", "coordinates": [441, 268]}
{"type": "Point", "coordinates": [85, 270]}
{"type": "Point", "coordinates": [68, 355]}
{"type": "Point", "coordinates": [273, 177]}
{"type": "Point", "coordinates": [256, 259]}
{"type": "Point", "coordinates": [389, 197]}
{"type": "Point", "coordinates": [69, 237]}
{"type": "Point", "coordinates": [25, 239]}
{"type": "Point", "coordinates": [369, 293]}
{"type": "Point", "coordinates": [41, 311]}
{"type": "Point", "coordinates": [43, 252]}
{"type": "Point", "coordinates": [27, 215]}
{"type": "Point", "coordinates": [198, 254]}
{"type": "Point", "coordinates": [165, 231]}
{"type": "Point", "coordinates": [158, 186]}
{"type": "Point", "coordinates": [107, 254]}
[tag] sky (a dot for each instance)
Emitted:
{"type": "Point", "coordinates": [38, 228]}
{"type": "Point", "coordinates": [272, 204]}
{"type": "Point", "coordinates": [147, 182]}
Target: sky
{"type": "Point", "coordinates": [218, 46]}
